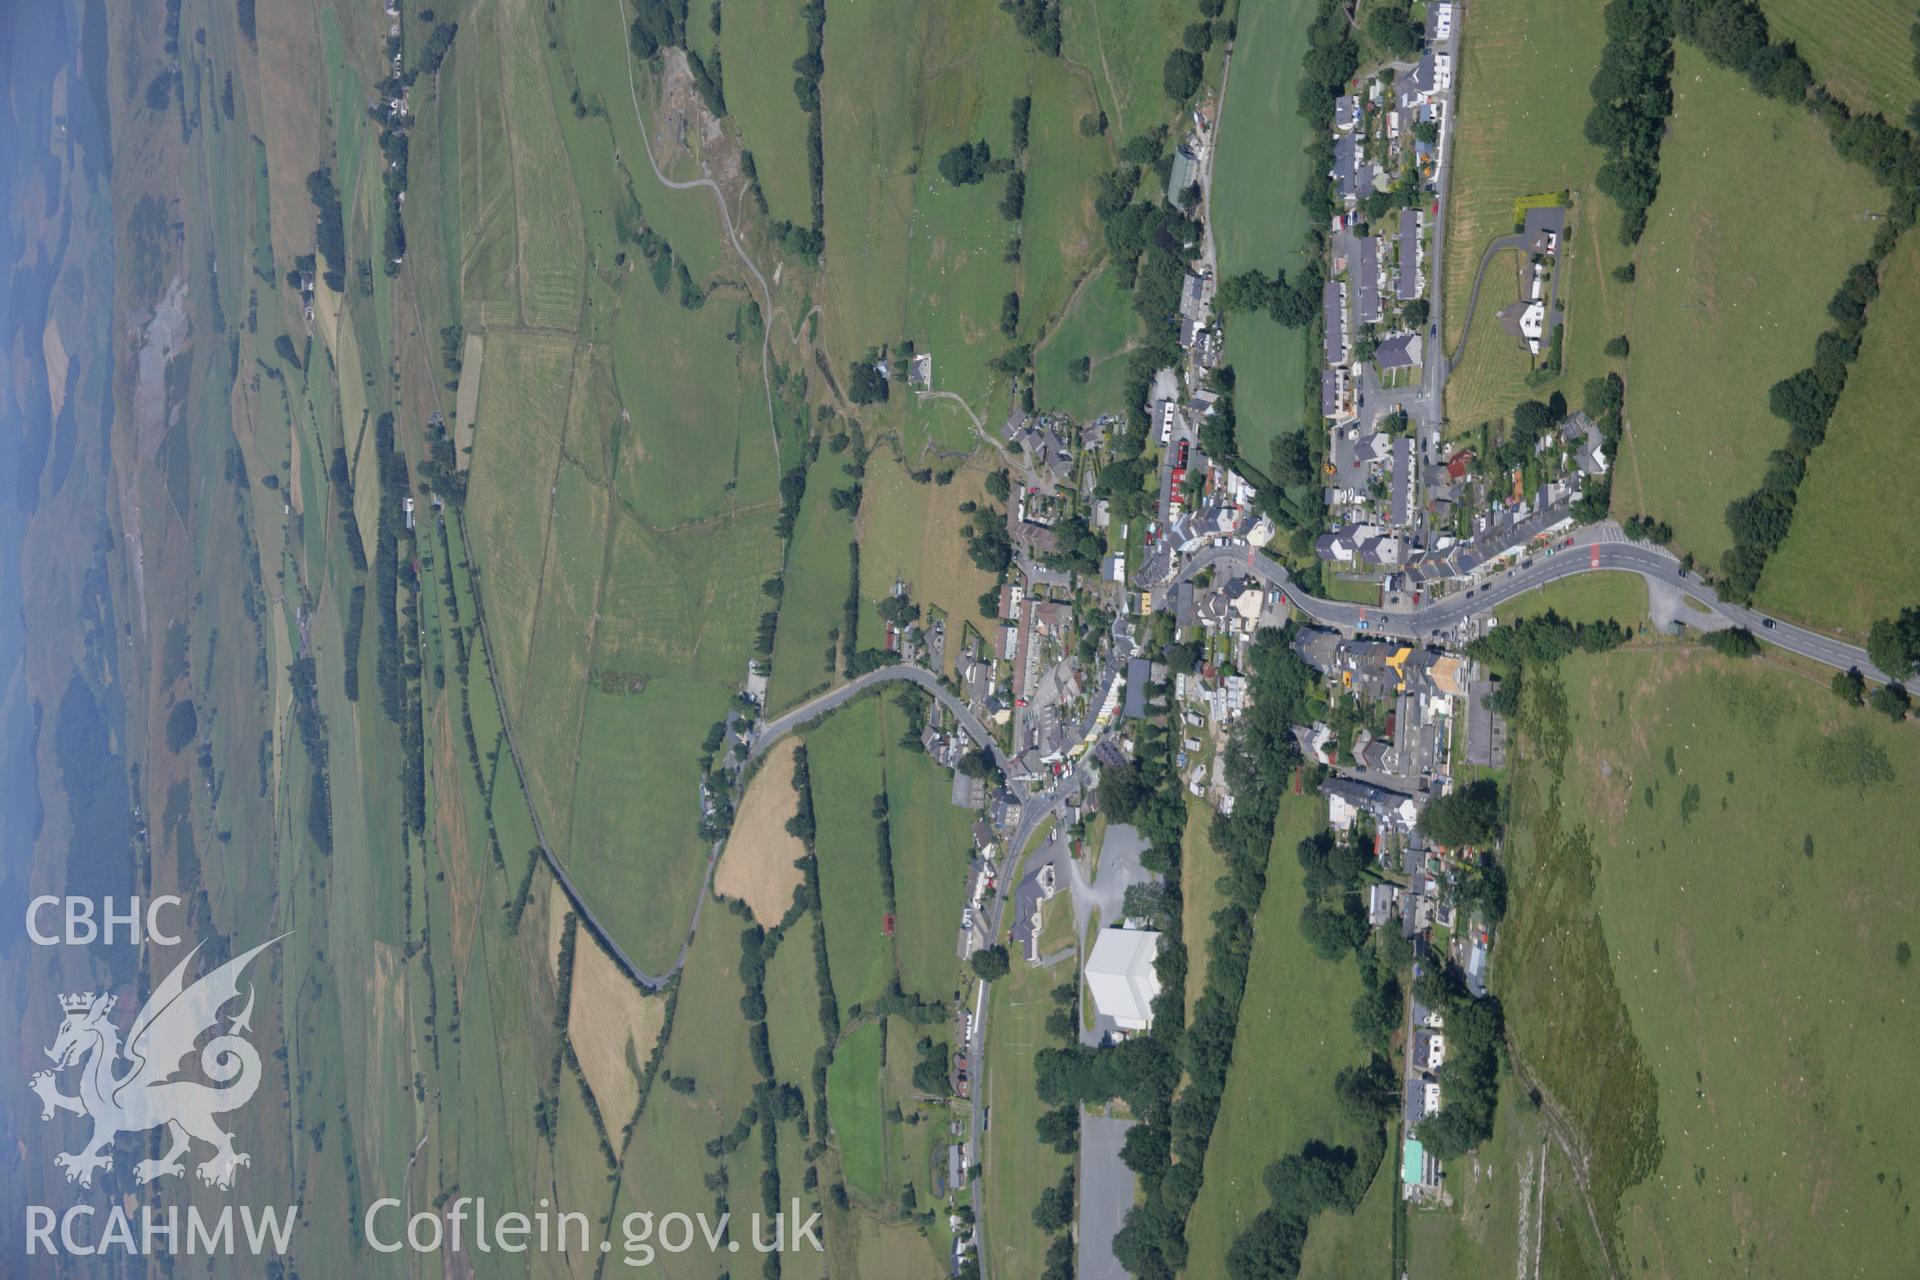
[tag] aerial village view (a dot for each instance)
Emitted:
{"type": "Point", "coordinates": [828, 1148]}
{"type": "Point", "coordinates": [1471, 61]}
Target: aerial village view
{"type": "Point", "coordinates": [1022, 639]}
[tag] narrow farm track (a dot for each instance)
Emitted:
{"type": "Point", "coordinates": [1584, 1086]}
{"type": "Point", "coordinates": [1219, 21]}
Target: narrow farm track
{"type": "Point", "coordinates": [726, 224]}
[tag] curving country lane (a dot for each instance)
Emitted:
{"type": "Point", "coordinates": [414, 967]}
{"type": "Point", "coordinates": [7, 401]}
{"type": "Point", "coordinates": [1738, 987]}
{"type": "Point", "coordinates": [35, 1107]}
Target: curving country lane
{"type": "Point", "coordinates": [771, 731]}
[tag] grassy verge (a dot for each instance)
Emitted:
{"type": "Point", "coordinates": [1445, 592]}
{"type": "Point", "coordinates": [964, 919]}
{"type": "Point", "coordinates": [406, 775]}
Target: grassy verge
{"type": "Point", "coordinates": [1588, 597]}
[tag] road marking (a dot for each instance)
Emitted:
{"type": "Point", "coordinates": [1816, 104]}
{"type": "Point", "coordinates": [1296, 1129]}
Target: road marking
{"type": "Point", "coordinates": [1593, 557]}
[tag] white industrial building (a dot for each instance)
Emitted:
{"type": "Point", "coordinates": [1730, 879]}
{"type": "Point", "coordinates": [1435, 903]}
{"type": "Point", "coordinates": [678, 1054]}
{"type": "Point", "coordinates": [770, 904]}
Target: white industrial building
{"type": "Point", "coordinates": [1121, 977]}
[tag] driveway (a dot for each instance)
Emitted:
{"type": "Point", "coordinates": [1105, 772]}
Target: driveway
{"type": "Point", "coordinates": [1119, 867]}
{"type": "Point", "coordinates": [1106, 1193]}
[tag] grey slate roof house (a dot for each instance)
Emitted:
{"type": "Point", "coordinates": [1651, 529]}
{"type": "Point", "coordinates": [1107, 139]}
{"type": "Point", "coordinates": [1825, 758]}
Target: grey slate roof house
{"type": "Point", "coordinates": [1366, 273]}
{"type": "Point", "coordinates": [1409, 281]}
{"type": "Point", "coordinates": [1333, 301]}
{"type": "Point", "coordinates": [1346, 160]}
{"type": "Point", "coordinates": [1401, 351]}
{"type": "Point", "coordinates": [1139, 673]}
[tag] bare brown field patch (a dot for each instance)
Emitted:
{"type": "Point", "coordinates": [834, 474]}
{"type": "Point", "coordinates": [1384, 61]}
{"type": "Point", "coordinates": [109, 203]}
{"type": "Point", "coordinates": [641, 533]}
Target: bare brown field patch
{"type": "Point", "coordinates": [450, 822]}
{"type": "Point", "coordinates": [760, 864]}
{"type": "Point", "coordinates": [608, 1014]}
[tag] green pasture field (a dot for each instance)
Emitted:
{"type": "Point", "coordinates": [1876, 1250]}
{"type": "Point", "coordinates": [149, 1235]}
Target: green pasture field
{"type": "Point", "coordinates": [1854, 552]}
{"type": "Point", "coordinates": [1510, 142]}
{"type": "Point", "coordinates": [1056, 928]}
{"type": "Point", "coordinates": [1859, 49]}
{"type": "Point", "coordinates": [932, 841]}
{"type": "Point", "coordinates": [1060, 235]}
{"type": "Point", "coordinates": [697, 441]}
{"type": "Point", "coordinates": [1268, 362]}
{"type": "Point", "coordinates": [1721, 822]}
{"type": "Point", "coordinates": [1491, 377]}
{"type": "Point", "coordinates": [490, 253]}
{"type": "Point", "coordinates": [1100, 325]}
{"type": "Point", "coordinates": [814, 601]}
{"type": "Point", "coordinates": [512, 820]}
{"type": "Point", "coordinates": [709, 1035]}
{"type": "Point", "coordinates": [908, 253]}
{"type": "Point", "coordinates": [504, 1040]}
{"type": "Point", "coordinates": [793, 1005]}
{"type": "Point", "coordinates": [666, 1162]}
{"type": "Point", "coordinates": [854, 1104]}
{"type": "Point", "coordinates": [843, 760]}
{"type": "Point", "coordinates": [1259, 224]}
{"type": "Point", "coordinates": [547, 208]}
{"type": "Point", "coordinates": [1123, 45]}
{"type": "Point", "coordinates": [636, 851]}
{"type": "Point", "coordinates": [915, 534]}
{"type": "Point", "coordinates": [547, 722]}
{"type": "Point", "coordinates": [1732, 293]}
{"type": "Point", "coordinates": [880, 164]}
{"type": "Point", "coordinates": [1340, 1245]}
{"type": "Point", "coordinates": [1568, 1248]}
{"type": "Point", "coordinates": [1294, 1034]}
{"type": "Point", "coordinates": [1017, 1165]}
{"type": "Point", "coordinates": [578, 1167]}
{"type": "Point", "coordinates": [1586, 597]}
{"type": "Point", "coordinates": [701, 37]}
{"type": "Point", "coordinates": [593, 40]}
{"type": "Point", "coordinates": [523, 393]}
{"type": "Point", "coordinates": [803, 1264]}
{"type": "Point", "coordinates": [760, 40]}
{"type": "Point", "coordinates": [685, 601]}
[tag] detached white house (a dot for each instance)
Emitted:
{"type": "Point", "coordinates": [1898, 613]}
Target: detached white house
{"type": "Point", "coordinates": [1121, 977]}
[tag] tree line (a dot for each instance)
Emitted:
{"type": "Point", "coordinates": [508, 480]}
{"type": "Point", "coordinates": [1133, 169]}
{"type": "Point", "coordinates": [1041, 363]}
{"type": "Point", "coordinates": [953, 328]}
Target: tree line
{"type": "Point", "coordinates": [1289, 491]}
{"type": "Point", "coordinates": [1167, 1148]}
{"type": "Point", "coordinates": [1545, 638]}
{"type": "Point", "coordinates": [329, 227]}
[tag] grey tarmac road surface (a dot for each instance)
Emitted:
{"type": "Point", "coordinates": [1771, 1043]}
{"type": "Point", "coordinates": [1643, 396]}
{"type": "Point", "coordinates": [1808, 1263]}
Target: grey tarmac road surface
{"type": "Point", "coordinates": [1593, 551]}
{"type": "Point", "coordinates": [1106, 1193]}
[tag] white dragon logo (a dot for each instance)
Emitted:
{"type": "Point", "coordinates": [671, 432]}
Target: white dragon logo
{"type": "Point", "coordinates": [147, 1096]}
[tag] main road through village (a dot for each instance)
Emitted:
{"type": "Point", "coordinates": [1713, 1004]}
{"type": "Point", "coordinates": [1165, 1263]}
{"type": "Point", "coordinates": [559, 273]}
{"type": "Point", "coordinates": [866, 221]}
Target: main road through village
{"type": "Point", "coordinates": [1599, 548]}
